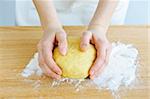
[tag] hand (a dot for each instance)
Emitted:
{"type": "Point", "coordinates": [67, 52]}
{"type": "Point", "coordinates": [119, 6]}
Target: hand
{"type": "Point", "coordinates": [103, 48]}
{"type": "Point", "coordinates": [45, 47]}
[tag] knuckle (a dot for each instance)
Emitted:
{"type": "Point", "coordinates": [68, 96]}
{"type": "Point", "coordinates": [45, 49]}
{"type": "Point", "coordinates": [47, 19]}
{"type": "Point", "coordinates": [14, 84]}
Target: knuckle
{"type": "Point", "coordinates": [61, 34]}
{"type": "Point", "coordinates": [49, 64]}
{"type": "Point", "coordinates": [63, 39]}
{"type": "Point", "coordinates": [48, 72]}
{"type": "Point", "coordinates": [63, 42]}
{"type": "Point", "coordinates": [62, 45]}
{"type": "Point", "coordinates": [54, 68]}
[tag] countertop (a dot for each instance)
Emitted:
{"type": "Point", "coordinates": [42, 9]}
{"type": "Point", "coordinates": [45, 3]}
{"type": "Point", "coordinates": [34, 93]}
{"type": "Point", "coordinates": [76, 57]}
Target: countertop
{"type": "Point", "coordinates": [18, 44]}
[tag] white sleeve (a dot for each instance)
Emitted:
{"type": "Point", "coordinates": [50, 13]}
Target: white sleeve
{"type": "Point", "coordinates": [72, 12]}
{"type": "Point", "coordinates": [26, 14]}
{"type": "Point", "coordinates": [119, 15]}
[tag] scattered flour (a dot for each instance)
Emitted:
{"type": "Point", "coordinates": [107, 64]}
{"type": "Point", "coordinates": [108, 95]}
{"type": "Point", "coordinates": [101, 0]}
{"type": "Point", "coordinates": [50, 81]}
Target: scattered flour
{"type": "Point", "coordinates": [120, 71]}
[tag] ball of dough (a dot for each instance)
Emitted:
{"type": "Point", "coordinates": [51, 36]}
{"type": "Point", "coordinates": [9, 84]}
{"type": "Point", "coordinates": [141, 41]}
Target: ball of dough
{"type": "Point", "coordinates": [76, 63]}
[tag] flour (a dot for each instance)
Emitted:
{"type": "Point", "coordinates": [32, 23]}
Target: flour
{"type": "Point", "coordinates": [120, 70]}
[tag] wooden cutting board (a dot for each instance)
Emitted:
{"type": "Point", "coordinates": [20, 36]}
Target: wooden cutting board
{"type": "Point", "coordinates": [18, 44]}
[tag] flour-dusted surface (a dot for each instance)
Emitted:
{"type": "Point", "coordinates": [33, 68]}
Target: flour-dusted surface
{"type": "Point", "coordinates": [120, 71]}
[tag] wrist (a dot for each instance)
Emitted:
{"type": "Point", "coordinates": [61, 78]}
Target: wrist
{"type": "Point", "coordinates": [98, 27]}
{"type": "Point", "coordinates": [99, 31]}
{"type": "Point", "coordinates": [50, 28]}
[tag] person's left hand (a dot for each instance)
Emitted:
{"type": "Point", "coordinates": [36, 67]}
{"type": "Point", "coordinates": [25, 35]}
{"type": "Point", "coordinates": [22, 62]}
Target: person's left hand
{"type": "Point", "coordinates": [103, 49]}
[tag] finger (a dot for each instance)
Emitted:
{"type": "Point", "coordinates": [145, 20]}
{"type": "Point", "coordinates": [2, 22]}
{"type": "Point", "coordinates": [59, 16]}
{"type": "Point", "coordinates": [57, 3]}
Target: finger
{"type": "Point", "coordinates": [101, 54]}
{"type": "Point", "coordinates": [41, 63]}
{"type": "Point", "coordinates": [85, 40]}
{"type": "Point", "coordinates": [98, 72]}
{"type": "Point", "coordinates": [48, 72]}
{"type": "Point", "coordinates": [98, 65]}
{"type": "Point", "coordinates": [62, 42]}
{"type": "Point", "coordinates": [40, 57]}
{"type": "Point", "coordinates": [92, 41]}
{"type": "Point", "coordinates": [47, 55]}
{"type": "Point", "coordinates": [44, 68]}
{"type": "Point", "coordinates": [108, 51]}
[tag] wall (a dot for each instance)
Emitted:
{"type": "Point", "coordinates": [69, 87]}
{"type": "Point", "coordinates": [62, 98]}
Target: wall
{"type": "Point", "coordinates": [138, 12]}
{"type": "Point", "coordinates": [7, 15]}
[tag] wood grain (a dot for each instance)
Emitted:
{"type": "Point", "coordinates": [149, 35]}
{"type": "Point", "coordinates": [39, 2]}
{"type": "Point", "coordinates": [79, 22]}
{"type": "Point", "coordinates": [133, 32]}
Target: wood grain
{"type": "Point", "coordinates": [18, 44]}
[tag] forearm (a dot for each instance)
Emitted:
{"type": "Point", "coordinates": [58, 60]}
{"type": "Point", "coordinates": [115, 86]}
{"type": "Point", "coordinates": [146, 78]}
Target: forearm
{"type": "Point", "coordinates": [47, 14]}
{"type": "Point", "coordinates": [102, 17]}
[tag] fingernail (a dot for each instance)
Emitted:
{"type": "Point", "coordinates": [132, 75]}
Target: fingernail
{"type": "Point", "coordinates": [92, 77]}
{"type": "Point", "coordinates": [58, 77]}
{"type": "Point", "coordinates": [92, 72]}
{"type": "Point", "coordinates": [63, 51]}
{"type": "Point", "coordinates": [59, 73]}
{"type": "Point", "coordinates": [84, 45]}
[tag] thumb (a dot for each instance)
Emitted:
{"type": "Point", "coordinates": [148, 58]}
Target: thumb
{"type": "Point", "coordinates": [85, 40]}
{"type": "Point", "coordinates": [62, 42]}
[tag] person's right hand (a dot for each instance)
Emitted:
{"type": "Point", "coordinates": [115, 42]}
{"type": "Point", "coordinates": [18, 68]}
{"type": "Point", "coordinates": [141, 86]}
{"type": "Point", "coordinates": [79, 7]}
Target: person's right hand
{"type": "Point", "coordinates": [45, 47]}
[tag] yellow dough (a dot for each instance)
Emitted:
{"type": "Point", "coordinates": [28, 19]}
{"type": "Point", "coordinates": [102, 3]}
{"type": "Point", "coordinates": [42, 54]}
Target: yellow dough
{"type": "Point", "coordinates": [76, 63]}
